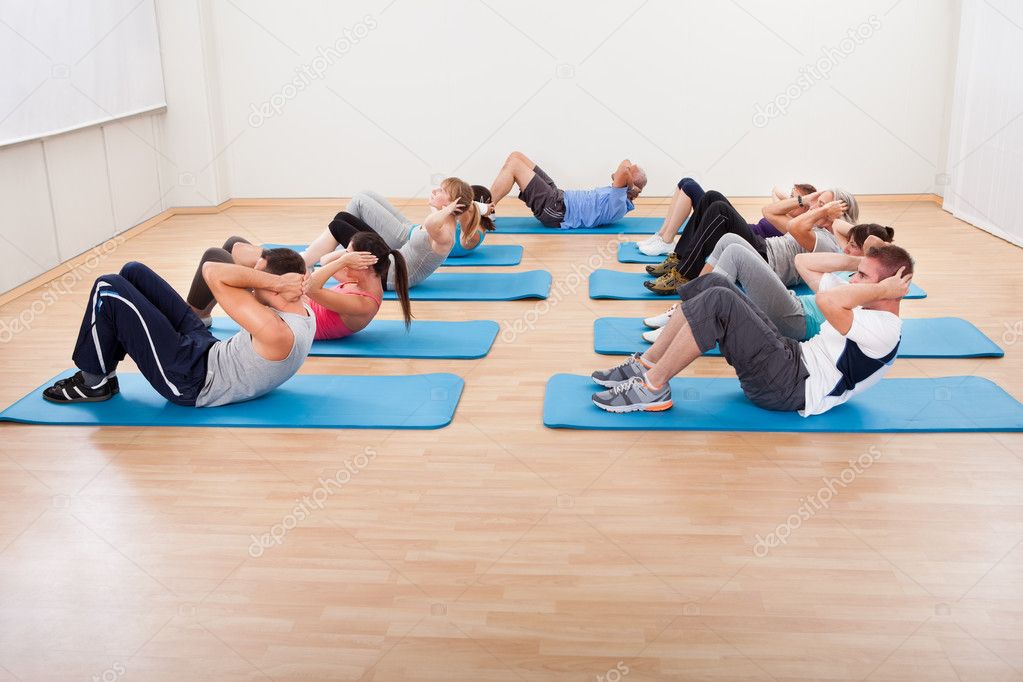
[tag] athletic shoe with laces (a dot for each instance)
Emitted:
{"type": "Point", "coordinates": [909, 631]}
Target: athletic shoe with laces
{"type": "Point", "coordinates": [656, 246]}
{"type": "Point", "coordinates": [658, 321]}
{"type": "Point", "coordinates": [662, 268]}
{"type": "Point", "coordinates": [666, 284]}
{"type": "Point", "coordinates": [634, 395]}
{"type": "Point", "coordinates": [619, 373]}
{"type": "Point", "coordinates": [75, 390]}
{"type": "Point", "coordinates": [651, 336]}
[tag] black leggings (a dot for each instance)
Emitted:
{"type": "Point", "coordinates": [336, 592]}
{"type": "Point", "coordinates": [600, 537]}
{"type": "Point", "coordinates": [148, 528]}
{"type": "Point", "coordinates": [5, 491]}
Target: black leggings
{"type": "Point", "coordinates": [199, 295]}
{"type": "Point", "coordinates": [712, 218]}
{"type": "Point", "coordinates": [344, 226]}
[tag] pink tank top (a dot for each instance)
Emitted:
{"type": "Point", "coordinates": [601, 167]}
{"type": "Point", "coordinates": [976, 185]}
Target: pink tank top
{"type": "Point", "coordinates": [329, 324]}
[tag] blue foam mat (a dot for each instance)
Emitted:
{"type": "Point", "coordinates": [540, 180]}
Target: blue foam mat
{"type": "Point", "coordinates": [429, 339]}
{"type": "Point", "coordinates": [628, 286]}
{"type": "Point", "coordinates": [948, 404]}
{"type": "Point", "coordinates": [306, 401]}
{"type": "Point", "coordinates": [936, 337]}
{"type": "Point", "coordinates": [489, 255]}
{"type": "Point", "coordinates": [479, 286]}
{"type": "Point", "coordinates": [530, 225]}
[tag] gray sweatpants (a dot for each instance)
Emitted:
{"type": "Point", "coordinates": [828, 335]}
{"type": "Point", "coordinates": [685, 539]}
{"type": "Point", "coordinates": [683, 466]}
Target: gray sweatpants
{"type": "Point", "coordinates": [396, 230]}
{"type": "Point", "coordinates": [378, 213]}
{"type": "Point", "coordinates": [769, 365]}
{"type": "Point", "coordinates": [737, 260]}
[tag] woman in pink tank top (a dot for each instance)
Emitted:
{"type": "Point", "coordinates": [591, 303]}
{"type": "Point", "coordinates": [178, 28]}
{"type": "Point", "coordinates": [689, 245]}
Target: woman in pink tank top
{"type": "Point", "coordinates": [351, 303]}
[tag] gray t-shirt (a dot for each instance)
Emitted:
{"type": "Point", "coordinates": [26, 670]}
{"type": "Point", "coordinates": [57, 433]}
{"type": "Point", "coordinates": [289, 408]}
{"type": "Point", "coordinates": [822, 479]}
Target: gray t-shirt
{"type": "Point", "coordinates": [420, 257]}
{"type": "Point", "coordinates": [782, 251]}
{"type": "Point", "coordinates": [235, 372]}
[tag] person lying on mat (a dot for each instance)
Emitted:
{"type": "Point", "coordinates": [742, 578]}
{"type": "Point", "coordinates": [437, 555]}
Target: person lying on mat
{"type": "Point", "coordinates": [570, 208]}
{"type": "Point", "coordinates": [137, 313]}
{"type": "Point", "coordinates": [454, 215]}
{"type": "Point", "coordinates": [856, 345]}
{"type": "Point", "coordinates": [340, 310]}
{"type": "Point", "coordinates": [795, 316]}
{"type": "Point", "coordinates": [689, 194]}
{"type": "Point", "coordinates": [813, 230]}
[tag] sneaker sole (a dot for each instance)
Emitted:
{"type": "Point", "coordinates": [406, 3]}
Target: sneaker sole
{"type": "Point", "coordinates": [660, 292]}
{"type": "Point", "coordinates": [641, 407]}
{"type": "Point", "coordinates": [97, 399]}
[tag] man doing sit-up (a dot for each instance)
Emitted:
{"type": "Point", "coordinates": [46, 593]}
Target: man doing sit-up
{"type": "Point", "coordinates": [139, 314]}
{"type": "Point", "coordinates": [570, 208]}
{"type": "Point", "coordinates": [856, 345]}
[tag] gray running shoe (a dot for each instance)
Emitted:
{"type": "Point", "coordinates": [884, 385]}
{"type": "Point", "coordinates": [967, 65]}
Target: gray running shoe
{"type": "Point", "coordinates": [619, 373]}
{"type": "Point", "coordinates": [634, 396]}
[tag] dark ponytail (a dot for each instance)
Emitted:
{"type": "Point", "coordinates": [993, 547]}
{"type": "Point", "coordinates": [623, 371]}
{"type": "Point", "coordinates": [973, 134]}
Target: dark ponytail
{"type": "Point", "coordinates": [481, 193]}
{"type": "Point", "coordinates": [373, 243]}
{"type": "Point", "coordinates": [859, 233]}
{"type": "Point", "coordinates": [400, 284]}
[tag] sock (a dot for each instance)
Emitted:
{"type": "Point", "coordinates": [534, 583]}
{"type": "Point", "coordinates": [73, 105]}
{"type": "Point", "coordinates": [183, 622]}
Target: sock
{"type": "Point", "coordinates": [650, 384]}
{"type": "Point", "coordinates": [92, 380]}
{"type": "Point", "coordinates": [644, 362]}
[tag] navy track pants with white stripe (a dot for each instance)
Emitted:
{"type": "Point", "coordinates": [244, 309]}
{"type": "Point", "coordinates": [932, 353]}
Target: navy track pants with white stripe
{"type": "Point", "coordinates": [137, 313]}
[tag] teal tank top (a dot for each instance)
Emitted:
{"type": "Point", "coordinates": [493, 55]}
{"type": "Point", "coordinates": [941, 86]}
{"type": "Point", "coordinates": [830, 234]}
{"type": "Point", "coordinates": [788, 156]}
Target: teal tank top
{"type": "Point", "coordinates": [812, 314]}
{"type": "Point", "coordinates": [459, 251]}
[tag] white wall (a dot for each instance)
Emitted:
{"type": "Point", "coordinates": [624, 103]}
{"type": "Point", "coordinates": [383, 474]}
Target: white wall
{"type": "Point", "coordinates": [65, 194]}
{"type": "Point", "coordinates": [985, 150]}
{"type": "Point", "coordinates": [451, 87]}
{"type": "Point", "coordinates": [416, 90]}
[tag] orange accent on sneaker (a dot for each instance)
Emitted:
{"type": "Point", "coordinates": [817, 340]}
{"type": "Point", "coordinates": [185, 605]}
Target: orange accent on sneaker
{"type": "Point", "coordinates": [659, 408]}
{"type": "Point", "coordinates": [645, 363]}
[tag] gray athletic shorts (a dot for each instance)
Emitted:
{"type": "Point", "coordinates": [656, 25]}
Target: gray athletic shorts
{"type": "Point", "coordinates": [544, 199]}
{"type": "Point", "coordinates": [769, 365]}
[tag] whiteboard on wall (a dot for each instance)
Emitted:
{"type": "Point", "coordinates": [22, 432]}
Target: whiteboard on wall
{"type": "Point", "coordinates": [69, 64]}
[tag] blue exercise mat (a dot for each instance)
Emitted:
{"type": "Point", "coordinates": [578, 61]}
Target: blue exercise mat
{"type": "Point", "coordinates": [893, 405]}
{"type": "Point", "coordinates": [306, 401]}
{"type": "Point", "coordinates": [491, 255]}
{"type": "Point", "coordinates": [936, 337]}
{"type": "Point", "coordinates": [428, 339]}
{"type": "Point", "coordinates": [628, 286]}
{"type": "Point", "coordinates": [530, 225]}
{"type": "Point", "coordinates": [479, 286]}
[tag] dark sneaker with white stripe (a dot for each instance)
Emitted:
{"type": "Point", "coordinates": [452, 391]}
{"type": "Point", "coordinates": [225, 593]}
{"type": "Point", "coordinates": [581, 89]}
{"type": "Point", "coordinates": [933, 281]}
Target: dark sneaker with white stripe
{"type": "Point", "coordinates": [619, 373]}
{"type": "Point", "coordinates": [634, 395]}
{"type": "Point", "coordinates": [74, 390]}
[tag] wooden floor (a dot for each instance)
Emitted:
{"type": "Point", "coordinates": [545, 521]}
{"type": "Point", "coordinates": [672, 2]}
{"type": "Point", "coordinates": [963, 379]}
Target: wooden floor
{"type": "Point", "coordinates": [496, 549]}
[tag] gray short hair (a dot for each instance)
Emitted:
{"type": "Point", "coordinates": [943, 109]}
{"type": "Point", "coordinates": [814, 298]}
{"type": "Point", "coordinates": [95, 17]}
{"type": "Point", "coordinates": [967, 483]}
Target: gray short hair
{"type": "Point", "coordinates": [852, 213]}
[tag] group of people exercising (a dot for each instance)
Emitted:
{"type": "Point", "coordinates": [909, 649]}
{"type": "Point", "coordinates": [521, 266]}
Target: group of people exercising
{"type": "Point", "coordinates": [793, 353]}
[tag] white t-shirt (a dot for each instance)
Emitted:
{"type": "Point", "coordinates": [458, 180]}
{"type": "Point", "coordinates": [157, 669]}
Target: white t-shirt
{"type": "Point", "coordinates": [843, 366]}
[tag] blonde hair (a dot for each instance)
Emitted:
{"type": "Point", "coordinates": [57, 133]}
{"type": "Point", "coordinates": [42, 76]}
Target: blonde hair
{"type": "Point", "coordinates": [468, 216]}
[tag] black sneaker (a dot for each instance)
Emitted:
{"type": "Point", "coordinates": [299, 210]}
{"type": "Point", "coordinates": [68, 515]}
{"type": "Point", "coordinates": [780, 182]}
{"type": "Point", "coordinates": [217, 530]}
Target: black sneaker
{"type": "Point", "coordinates": [74, 390]}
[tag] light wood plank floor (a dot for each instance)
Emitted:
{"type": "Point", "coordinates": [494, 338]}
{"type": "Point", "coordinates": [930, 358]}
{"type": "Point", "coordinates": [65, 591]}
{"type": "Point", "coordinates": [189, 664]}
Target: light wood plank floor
{"type": "Point", "coordinates": [496, 549]}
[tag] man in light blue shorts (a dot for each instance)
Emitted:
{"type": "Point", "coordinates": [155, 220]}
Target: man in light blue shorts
{"type": "Point", "coordinates": [569, 209]}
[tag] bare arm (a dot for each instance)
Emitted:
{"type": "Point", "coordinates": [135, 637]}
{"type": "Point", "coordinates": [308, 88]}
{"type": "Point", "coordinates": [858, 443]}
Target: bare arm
{"type": "Point", "coordinates": [779, 194]}
{"type": "Point", "coordinates": [435, 225]}
{"type": "Point", "coordinates": [841, 230]}
{"type": "Point", "coordinates": [837, 304]}
{"type": "Point", "coordinates": [622, 177]}
{"type": "Point", "coordinates": [812, 266]}
{"type": "Point", "coordinates": [777, 213]}
{"type": "Point", "coordinates": [342, 304]}
{"type": "Point", "coordinates": [230, 285]}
